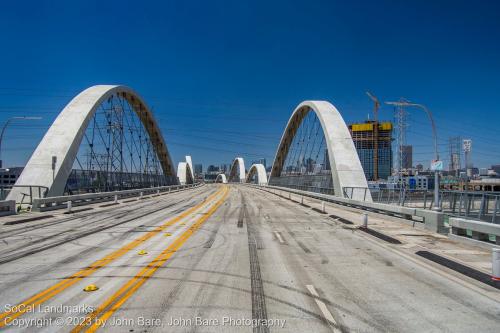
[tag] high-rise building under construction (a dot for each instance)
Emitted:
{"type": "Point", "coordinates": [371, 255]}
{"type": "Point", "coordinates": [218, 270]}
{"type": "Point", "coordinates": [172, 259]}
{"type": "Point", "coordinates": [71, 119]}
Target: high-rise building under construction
{"type": "Point", "coordinates": [374, 146]}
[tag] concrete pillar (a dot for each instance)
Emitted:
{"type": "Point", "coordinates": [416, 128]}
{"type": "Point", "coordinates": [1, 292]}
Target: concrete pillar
{"type": "Point", "coordinates": [365, 220]}
{"type": "Point", "coordinates": [323, 207]}
{"type": "Point", "coordinates": [495, 257]}
{"type": "Point", "coordinates": [116, 199]}
{"type": "Point", "coordinates": [433, 221]}
{"type": "Point", "coordinates": [69, 206]}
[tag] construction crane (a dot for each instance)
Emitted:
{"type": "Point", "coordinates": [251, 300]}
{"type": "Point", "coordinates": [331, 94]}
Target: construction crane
{"type": "Point", "coordinates": [376, 106]}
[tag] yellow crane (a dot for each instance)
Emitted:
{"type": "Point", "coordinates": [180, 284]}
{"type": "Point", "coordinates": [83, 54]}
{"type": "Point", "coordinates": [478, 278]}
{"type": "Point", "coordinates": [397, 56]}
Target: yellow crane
{"type": "Point", "coordinates": [376, 106]}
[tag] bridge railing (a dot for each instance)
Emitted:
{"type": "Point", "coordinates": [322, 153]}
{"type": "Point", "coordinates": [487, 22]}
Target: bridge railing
{"type": "Point", "coordinates": [482, 206]}
{"type": "Point", "coordinates": [7, 207]}
{"type": "Point", "coordinates": [51, 203]}
{"type": "Point", "coordinates": [432, 220]}
{"type": "Point", "coordinates": [28, 192]}
{"type": "Point", "coordinates": [485, 234]}
{"type": "Point", "coordinates": [479, 231]}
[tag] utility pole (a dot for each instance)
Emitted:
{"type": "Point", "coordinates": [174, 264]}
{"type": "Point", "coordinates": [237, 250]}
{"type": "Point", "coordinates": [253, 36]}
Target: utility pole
{"type": "Point", "coordinates": [467, 146]}
{"type": "Point", "coordinates": [436, 165]}
{"type": "Point", "coordinates": [376, 106]}
{"type": "Point", "coordinates": [400, 116]}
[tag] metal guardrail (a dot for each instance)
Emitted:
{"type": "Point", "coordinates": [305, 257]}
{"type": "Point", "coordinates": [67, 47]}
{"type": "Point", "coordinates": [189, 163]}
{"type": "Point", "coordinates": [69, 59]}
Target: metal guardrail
{"type": "Point", "coordinates": [7, 207]}
{"type": "Point", "coordinates": [51, 203]}
{"type": "Point", "coordinates": [485, 232]}
{"type": "Point", "coordinates": [473, 205]}
{"type": "Point", "coordinates": [28, 193]}
{"type": "Point", "coordinates": [482, 206]}
{"type": "Point", "coordinates": [433, 221]}
{"type": "Point", "coordinates": [479, 231]}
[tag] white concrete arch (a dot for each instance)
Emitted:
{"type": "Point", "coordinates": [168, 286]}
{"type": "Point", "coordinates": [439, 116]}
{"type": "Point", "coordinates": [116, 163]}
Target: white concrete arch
{"type": "Point", "coordinates": [221, 178]}
{"type": "Point", "coordinates": [257, 170]}
{"type": "Point", "coordinates": [64, 136]}
{"type": "Point", "coordinates": [184, 173]}
{"type": "Point", "coordinates": [189, 161]}
{"type": "Point", "coordinates": [237, 172]}
{"type": "Point", "coordinates": [344, 161]}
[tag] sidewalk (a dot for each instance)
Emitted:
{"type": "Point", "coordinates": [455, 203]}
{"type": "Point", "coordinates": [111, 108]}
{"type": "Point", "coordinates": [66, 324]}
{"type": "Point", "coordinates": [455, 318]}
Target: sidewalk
{"type": "Point", "coordinates": [413, 238]}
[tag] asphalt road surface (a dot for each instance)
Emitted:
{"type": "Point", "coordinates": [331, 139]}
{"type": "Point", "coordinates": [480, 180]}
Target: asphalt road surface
{"type": "Point", "coordinates": [221, 258]}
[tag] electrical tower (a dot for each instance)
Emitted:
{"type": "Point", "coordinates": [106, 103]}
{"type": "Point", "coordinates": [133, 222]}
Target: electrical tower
{"type": "Point", "coordinates": [401, 120]}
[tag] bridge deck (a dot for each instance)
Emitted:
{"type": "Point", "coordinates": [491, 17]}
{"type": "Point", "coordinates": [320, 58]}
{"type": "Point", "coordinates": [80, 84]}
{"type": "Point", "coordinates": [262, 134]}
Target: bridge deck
{"type": "Point", "coordinates": [241, 254]}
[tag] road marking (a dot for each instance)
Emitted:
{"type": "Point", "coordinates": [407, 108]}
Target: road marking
{"type": "Point", "coordinates": [29, 304]}
{"type": "Point", "coordinates": [280, 239]}
{"type": "Point", "coordinates": [113, 303]}
{"type": "Point", "coordinates": [322, 306]}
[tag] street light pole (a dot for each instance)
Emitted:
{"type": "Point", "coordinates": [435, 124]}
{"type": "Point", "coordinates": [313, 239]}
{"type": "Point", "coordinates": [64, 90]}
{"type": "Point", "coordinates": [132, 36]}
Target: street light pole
{"type": "Point", "coordinates": [437, 206]}
{"type": "Point", "coordinates": [4, 127]}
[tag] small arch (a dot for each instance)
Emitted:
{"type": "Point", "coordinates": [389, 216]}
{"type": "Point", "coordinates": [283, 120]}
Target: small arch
{"type": "Point", "coordinates": [221, 178]}
{"type": "Point", "coordinates": [189, 161]}
{"type": "Point", "coordinates": [184, 173]}
{"type": "Point", "coordinates": [237, 173]}
{"type": "Point", "coordinates": [259, 171]}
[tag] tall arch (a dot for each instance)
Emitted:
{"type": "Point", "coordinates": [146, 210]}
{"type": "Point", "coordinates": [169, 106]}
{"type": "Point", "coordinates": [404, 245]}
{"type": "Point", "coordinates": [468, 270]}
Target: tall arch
{"type": "Point", "coordinates": [259, 171]}
{"type": "Point", "coordinates": [346, 169]}
{"type": "Point", "coordinates": [189, 161]}
{"type": "Point", "coordinates": [237, 172]}
{"type": "Point", "coordinates": [184, 173]}
{"type": "Point", "coordinates": [65, 135]}
{"type": "Point", "coordinates": [221, 178]}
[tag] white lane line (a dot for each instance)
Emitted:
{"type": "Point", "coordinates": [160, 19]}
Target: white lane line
{"type": "Point", "coordinates": [322, 306]}
{"type": "Point", "coordinates": [280, 239]}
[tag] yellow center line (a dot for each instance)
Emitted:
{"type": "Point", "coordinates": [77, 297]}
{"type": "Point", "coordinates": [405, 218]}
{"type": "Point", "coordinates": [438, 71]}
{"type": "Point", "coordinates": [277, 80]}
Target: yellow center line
{"type": "Point", "coordinates": [113, 303]}
{"type": "Point", "coordinates": [29, 304]}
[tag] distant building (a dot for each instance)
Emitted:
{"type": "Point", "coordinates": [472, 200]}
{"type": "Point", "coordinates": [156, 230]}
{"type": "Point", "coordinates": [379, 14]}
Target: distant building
{"type": "Point", "coordinates": [415, 183]}
{"type": "Point", "coordinates": [407, 152]}
{"type": "Point", "coordinates": [326, 160]}
{"type": "Point", "coordinates": [496, 168]}
{"type": "Point", "coordinates": [198, 169]}
{"type": "Point", "coordinates": [211, 173]}
{"type": "Point", "coordinates": [225, 168]}
{"type": "Point", "coordinates": [369, 137]}
{"type": "Point", "coordinates": [8, 176]}
{"type": "Point", "coordinates": [212, 168]}
{"type": "Point", "coordinates": [260, 161]}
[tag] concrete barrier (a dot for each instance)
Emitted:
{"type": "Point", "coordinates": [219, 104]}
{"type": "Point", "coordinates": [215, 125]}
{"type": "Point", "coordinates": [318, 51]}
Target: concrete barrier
{"type": "Point", "coordinates": [481, 231]}
{"type": "Point", "coordinates": [52, 203]}
{"type": "Point", "coordinates": [433, 221]}
{"type": "Point", "coordinates": [7, 207]}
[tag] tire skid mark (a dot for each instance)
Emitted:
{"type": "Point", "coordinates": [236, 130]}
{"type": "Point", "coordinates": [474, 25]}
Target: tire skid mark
{"type": "Point", "coordinates": [259, 310]}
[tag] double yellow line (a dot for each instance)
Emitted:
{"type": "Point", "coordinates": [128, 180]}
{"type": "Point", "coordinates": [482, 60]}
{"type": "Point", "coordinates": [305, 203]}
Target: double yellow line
{"type": "Point", "coordinates": [30, 304]}
{"type": "Point", "coordinates": [99, 316]}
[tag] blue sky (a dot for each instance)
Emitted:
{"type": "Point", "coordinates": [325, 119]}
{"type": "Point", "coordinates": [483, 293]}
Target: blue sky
{"type": "Point", "coordinates": [223, 77]}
